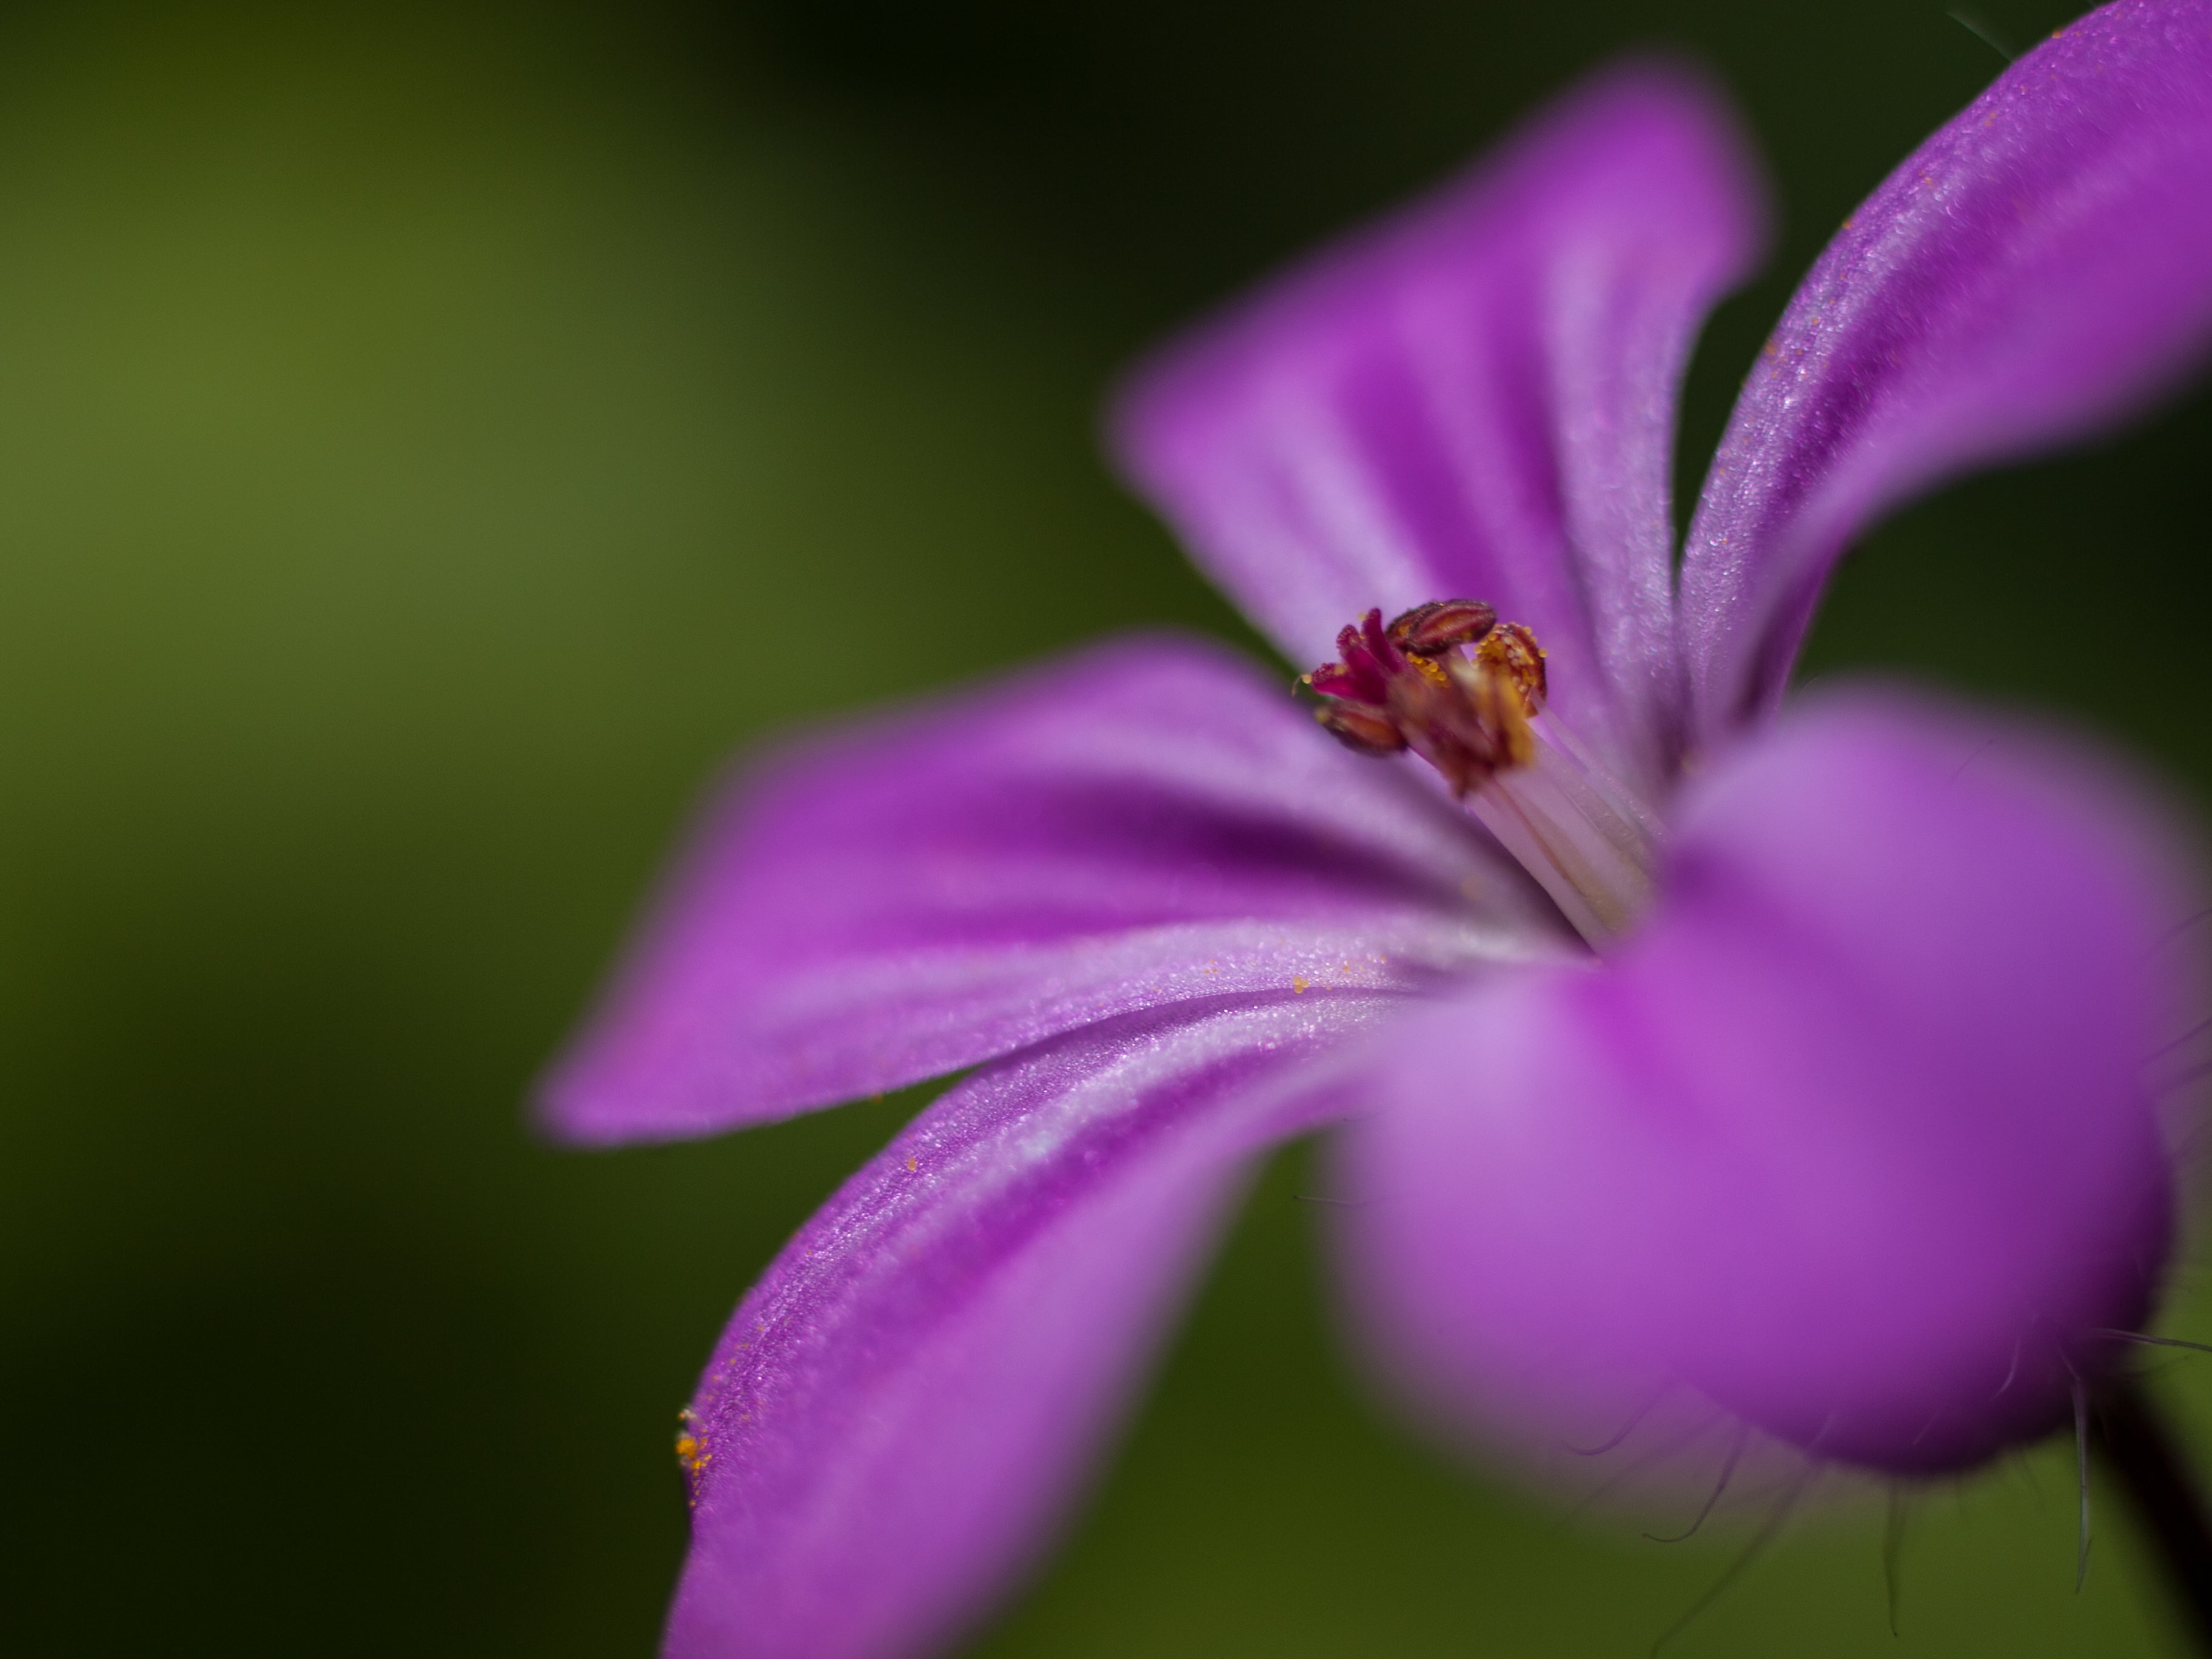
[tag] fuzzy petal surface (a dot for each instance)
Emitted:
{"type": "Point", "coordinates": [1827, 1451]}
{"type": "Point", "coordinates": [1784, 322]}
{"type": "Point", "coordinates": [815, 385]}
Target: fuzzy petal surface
{"type": "Point", "coordinates": [2038, 269]}
{"type": "Point", "coordinates": [1476, 400]}
{"type": "Point", "coordinates": [1855, 1140]}
{"type": "Point", "coordinates": [902, 1409]}
{"type": "Point", "coordinates": [1149, 822]}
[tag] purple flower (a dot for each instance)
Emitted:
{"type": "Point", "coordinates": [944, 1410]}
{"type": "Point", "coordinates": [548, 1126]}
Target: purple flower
{"type": "Point", "coordinates": [1804, 1068]}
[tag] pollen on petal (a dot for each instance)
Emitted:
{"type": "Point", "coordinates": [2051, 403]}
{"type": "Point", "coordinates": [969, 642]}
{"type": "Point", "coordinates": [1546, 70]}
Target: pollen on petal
{"type": "Point", "coordinates": [691, 1450]}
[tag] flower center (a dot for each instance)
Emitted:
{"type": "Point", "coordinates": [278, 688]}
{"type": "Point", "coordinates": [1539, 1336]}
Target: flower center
{"type": "Point", "coordinates": [1465, 693]}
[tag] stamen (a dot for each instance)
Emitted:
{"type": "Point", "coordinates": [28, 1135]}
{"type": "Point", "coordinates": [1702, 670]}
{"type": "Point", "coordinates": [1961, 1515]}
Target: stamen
{"type": "Point", "coordinates": [1466, 693]}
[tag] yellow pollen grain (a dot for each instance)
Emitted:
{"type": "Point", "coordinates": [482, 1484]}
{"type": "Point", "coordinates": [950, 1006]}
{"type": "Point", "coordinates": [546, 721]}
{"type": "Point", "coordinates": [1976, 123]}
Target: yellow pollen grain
{"type": "Point", "coordinates": [1298, 984]}
{"type": "Point", "coordinates": [909, 1163]}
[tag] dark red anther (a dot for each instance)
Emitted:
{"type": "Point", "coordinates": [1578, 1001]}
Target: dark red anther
{"type": "Point", "coordinates": [1411, 685]}
{"type": "Point", "coordinates": [1431, 630]}
{"type": "Point", "coordinates": [1370, 730]}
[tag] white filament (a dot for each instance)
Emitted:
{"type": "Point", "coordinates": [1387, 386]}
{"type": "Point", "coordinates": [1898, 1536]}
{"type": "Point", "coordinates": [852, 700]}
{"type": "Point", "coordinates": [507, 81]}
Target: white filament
{"type": "Point", "coordinates": [1581, 832]}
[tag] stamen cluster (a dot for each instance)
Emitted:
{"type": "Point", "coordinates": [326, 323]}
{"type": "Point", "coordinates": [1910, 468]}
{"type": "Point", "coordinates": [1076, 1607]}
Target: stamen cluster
{"type": "Point", "coordinates": [1446, 679]}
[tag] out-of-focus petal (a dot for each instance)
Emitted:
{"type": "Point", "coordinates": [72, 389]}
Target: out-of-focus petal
{"type": "Point", "coordinates": [1855, 1140]}
{"type": "Point", "coordinates": [1145, 824]}
{"type": "Point", "coordinates": [901, 1410]}
{"type": "Point", "coordinates": [1475, 399]}
{"type": "Point", "coordinates": [2040, 268]}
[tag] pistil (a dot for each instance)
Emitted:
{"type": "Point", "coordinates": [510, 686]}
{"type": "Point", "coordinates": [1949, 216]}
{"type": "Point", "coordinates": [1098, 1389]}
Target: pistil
{"type": "Point", "coordinates": [1466, 693]}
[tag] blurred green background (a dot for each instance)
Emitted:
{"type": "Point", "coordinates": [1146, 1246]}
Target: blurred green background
{"type": "Point", "coordinates": [429, 441]}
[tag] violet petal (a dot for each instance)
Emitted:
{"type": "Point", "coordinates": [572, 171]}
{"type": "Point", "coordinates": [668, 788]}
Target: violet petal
{"type": "Point", "coordinates": [902, 1409]}
{"type": "Point", "coordinates": [1146, 822]}
{"type": "Point", "coordinates": [2038, 269]}
{"type": "Point", "coordinates": [1857, 1138]}
{"type": "Point", "coordinates": [1474, 400]}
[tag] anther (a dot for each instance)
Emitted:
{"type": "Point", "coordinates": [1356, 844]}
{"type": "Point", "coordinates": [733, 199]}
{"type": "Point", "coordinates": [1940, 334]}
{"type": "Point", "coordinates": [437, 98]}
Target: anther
{"type": "Point", "coordinates": [1511, 652]}
{"type": "Point", "coordinates": [1413, 685]}
{"type": "Point", "coordinates": [1431, 630]}
{"type": "Point", "coordinates": [1355, 726]}
{"type": "Point", "coordinates": [1466, 693]}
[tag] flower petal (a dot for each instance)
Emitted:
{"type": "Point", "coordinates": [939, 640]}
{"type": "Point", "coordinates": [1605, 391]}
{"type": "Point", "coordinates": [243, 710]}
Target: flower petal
{"type": "Point", "coordinates": [2038, 269]}
{"type": "Point", "coordinates": [1475, 399]}
{"type": "Point", "coordinates": [1857, 1140]}
{"type": "Point", "coordinates": [902, 1408]}
{"type": "Point", "coordinates": [1142, 825]}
